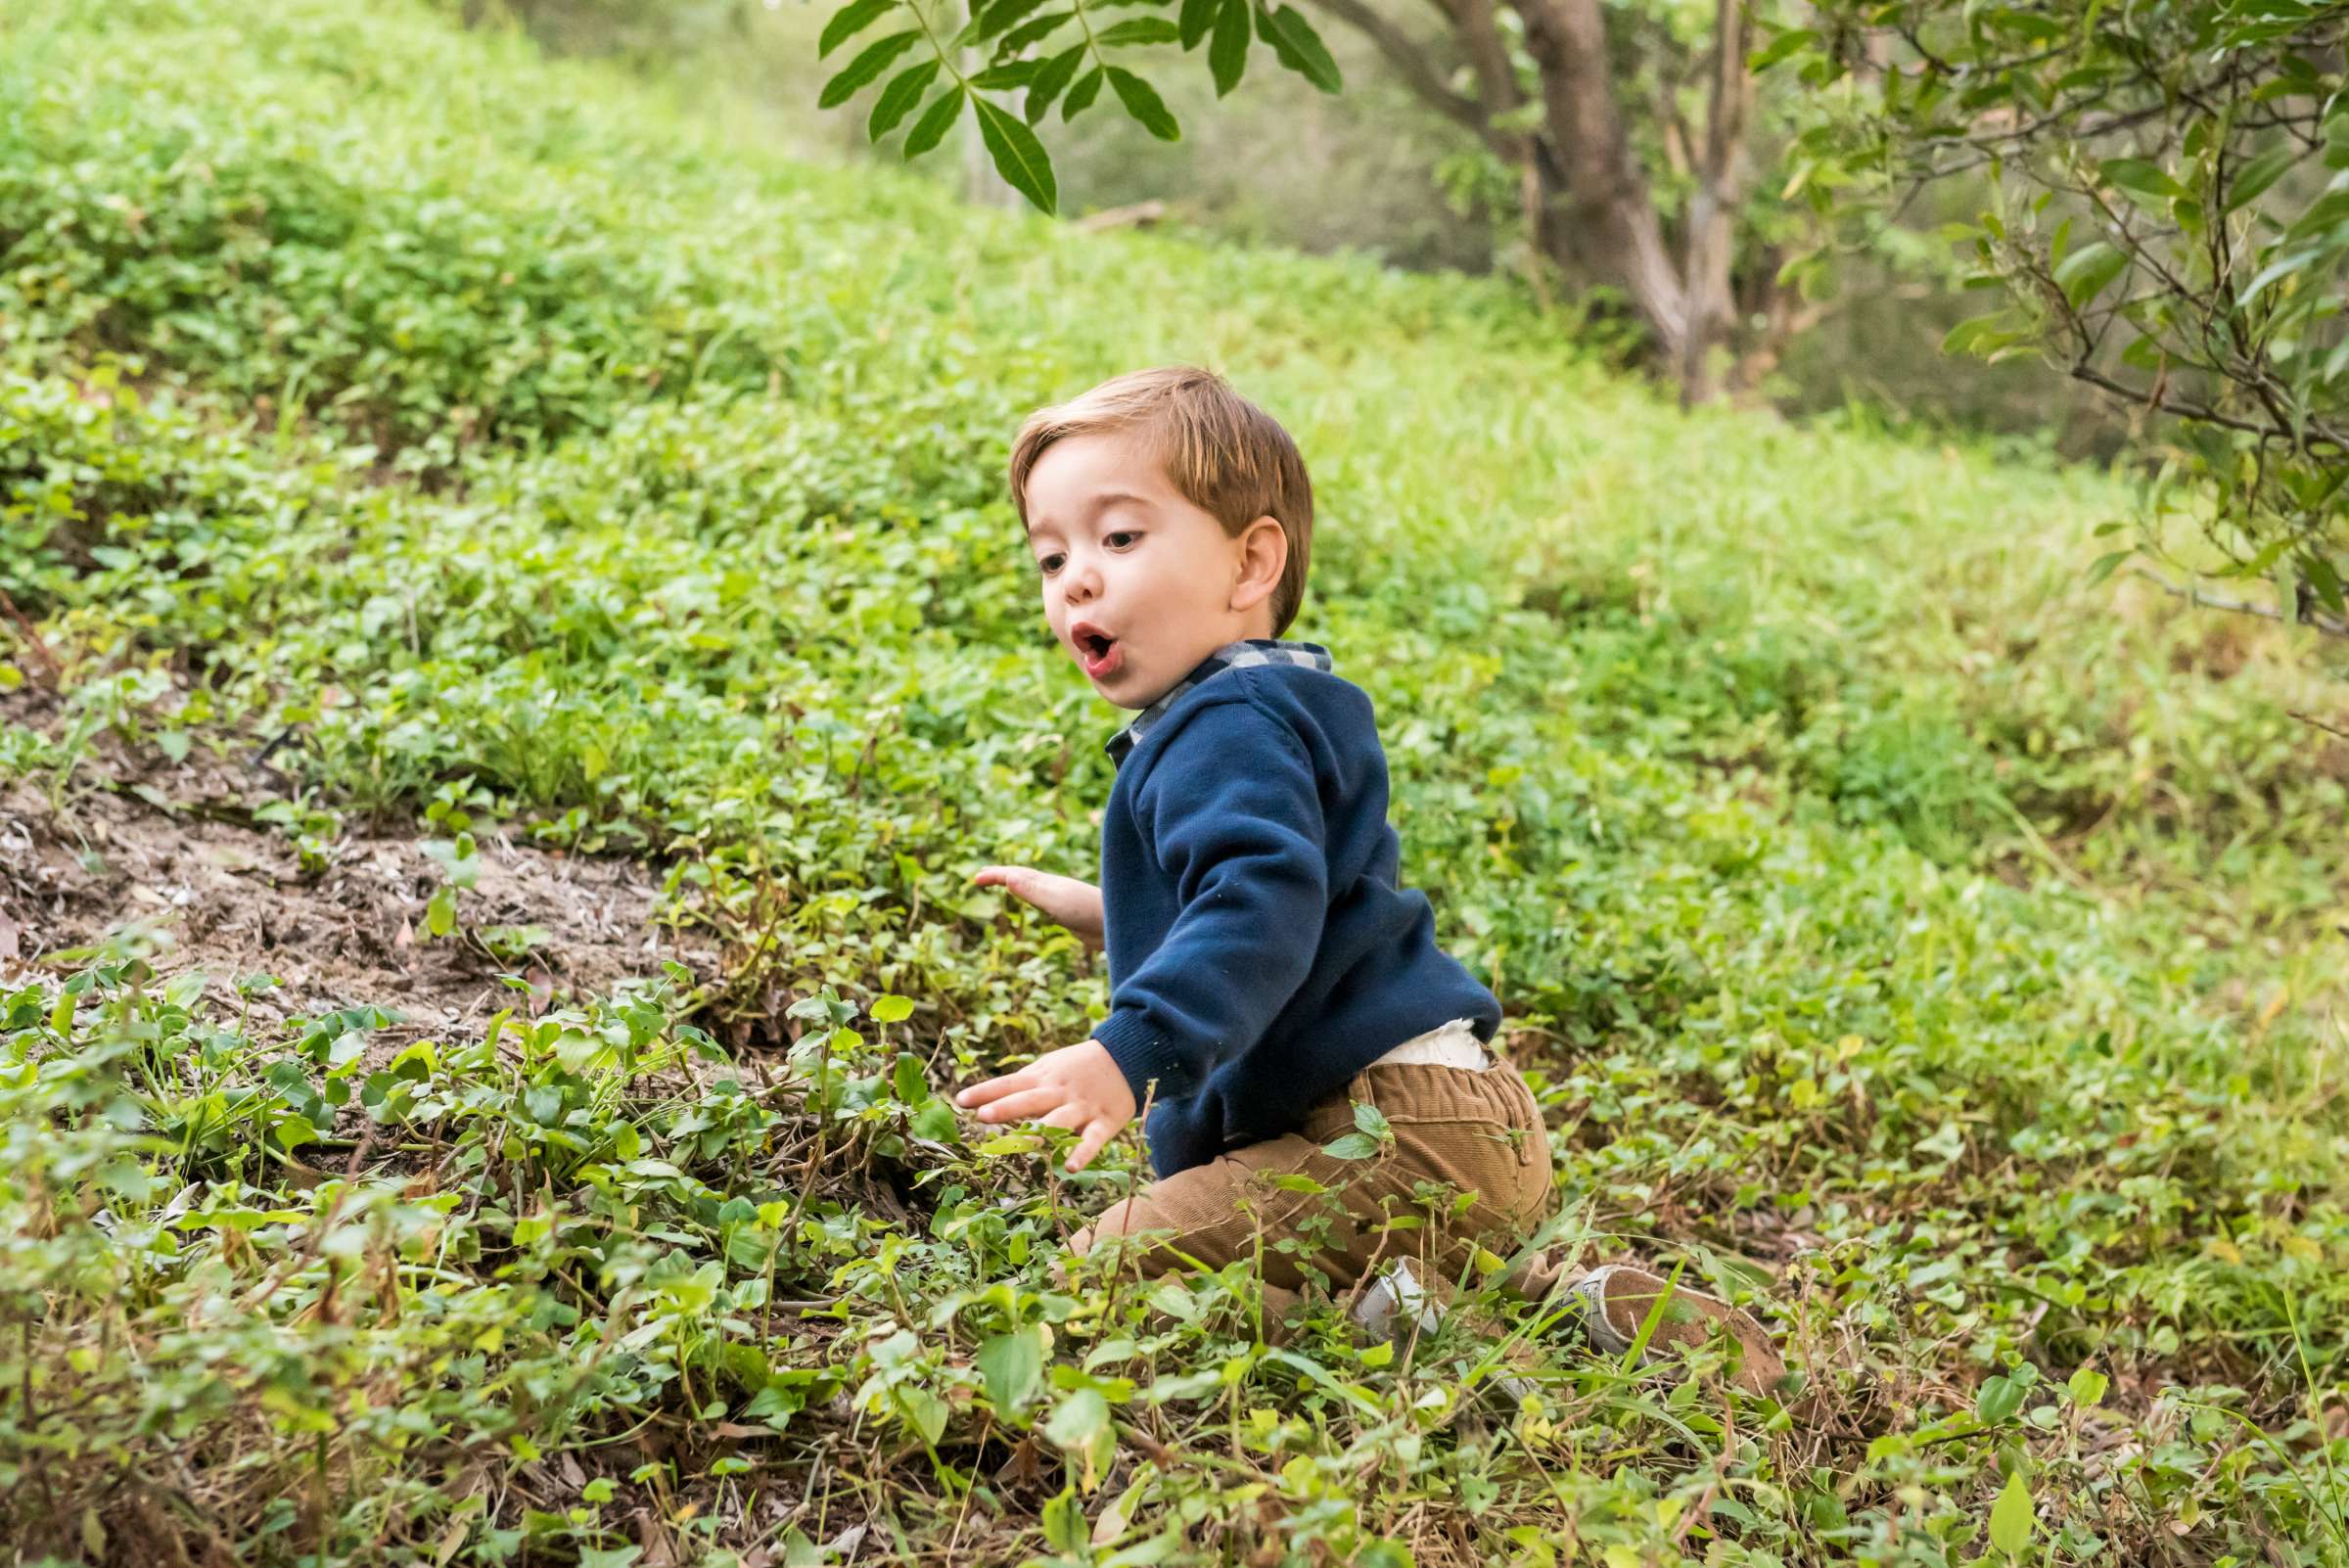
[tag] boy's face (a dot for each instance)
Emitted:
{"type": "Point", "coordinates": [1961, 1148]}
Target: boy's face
{"type": "Point", "coordinates": [1139, 584]}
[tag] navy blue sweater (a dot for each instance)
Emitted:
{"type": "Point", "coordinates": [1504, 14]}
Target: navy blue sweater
{"type": "Point", "coordinates": [1259, 951]}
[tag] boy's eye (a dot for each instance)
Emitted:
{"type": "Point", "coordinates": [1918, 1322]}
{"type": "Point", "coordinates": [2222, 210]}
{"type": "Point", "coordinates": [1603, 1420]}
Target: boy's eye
{"type": "Point", "coordinates": [1048, 564]}
{"type": "Point", "coordinates": [1122, 533]}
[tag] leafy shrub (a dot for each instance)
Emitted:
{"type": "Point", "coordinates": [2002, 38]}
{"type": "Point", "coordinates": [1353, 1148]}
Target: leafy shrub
{"type": "Point", "coordinates": [1875, 905]}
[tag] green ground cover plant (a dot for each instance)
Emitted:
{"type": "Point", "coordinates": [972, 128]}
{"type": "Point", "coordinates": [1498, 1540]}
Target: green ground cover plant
{"type": "Point", "coordinates": [400, 434]}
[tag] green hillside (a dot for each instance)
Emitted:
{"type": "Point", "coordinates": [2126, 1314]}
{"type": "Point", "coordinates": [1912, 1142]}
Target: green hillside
{"type": "Point", "coordinates": [422, 463]}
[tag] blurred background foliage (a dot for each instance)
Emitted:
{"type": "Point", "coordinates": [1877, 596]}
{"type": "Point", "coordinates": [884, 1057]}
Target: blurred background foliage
{"type": "Point", "coordinates": [1375, 170]}
{"type": "Point", "coordinates": [1883, 909]}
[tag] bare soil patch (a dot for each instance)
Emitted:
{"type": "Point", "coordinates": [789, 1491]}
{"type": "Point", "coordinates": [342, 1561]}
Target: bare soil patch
{"type": "Point", "coordinates": [183, 862]}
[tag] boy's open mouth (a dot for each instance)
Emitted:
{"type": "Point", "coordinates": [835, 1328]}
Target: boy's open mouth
{"type": "Point", "coordinates": [1097, 650]}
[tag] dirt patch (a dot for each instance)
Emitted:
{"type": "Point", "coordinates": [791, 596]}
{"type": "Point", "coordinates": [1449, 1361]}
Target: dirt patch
{"type": "Point", "coordinates": [182, 868]}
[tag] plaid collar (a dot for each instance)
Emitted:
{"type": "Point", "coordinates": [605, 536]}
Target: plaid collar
{"type": "Point", "coordinates": [1231, 655]}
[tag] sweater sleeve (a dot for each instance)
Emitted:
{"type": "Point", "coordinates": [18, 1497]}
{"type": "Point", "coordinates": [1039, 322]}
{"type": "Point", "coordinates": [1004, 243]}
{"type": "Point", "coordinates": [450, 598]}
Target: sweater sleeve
{"type": "Point", "coordinates": [1232, 813]}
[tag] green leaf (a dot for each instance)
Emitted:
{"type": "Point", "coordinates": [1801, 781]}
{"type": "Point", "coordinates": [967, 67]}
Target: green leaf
{"type": "Point", "coordinates": [441, 915]}
{"type": "Point", "coordinates": [1011, 1143]}
{"type": "Point", "coordinates": [2105, 564]}
{"type": "Point", "coordinates": [1005, 76]}
{"type": "Point", "coordinates": [1787, 44]}
{"type": "Point", "coordinates": [1055, 75]}
{"type": "Point", "coordinates": [1028, 32]}
{"type": "Point", "coordinates": [2252, 180]}
{"type": "Point", "coordinates": [1351, 1146]}
{"type": "Point", "coordinates": [2139, 179]}
{"type": "Point", "coordinates": [609, 1556]}
{"type": "Point", "coordinates": [905, 1077]}
{"type": "Point", "coordinates": [1076, 1419]}
{"type": "Point", "coordinates": [875, 60]}
{"type": "Point", "coordinates": [895, 102]}
{"type": "Point", "coordinates": [938, 119]}
{"type": "Point", "coordinates": [1371, 1119]}
{"type": "Point", "coordinates": [2323, 218]}
{"type": "Point", "coordinates": [1297, 46]}
{"type": "Point", "coordinates": [1138, 30]}
{"type": "Point", "coordinates": [2283, 267]}
{"type": "Point", "coordinates": [1977, 334]}
{"type": "Point", "coordinates": [1019, 157]}
{"type": "Point", "coordinates": [1198, 15]}
{"type": "Point", "coordinates": [1173, 1298]}
{"type": "Point", "coordinates": [2010, 1517]}
{"type": "Point", "coordinates": [2088, 1386]}
{"type": "Point", "coordinates": [1142, 102]}
{"type": "Point", "coordinates": [989, 20]}
{"type": "Point", "coordinates": [849, 21]}
{"type": "Point", "coordinates": [2088, 271]}
{"type": "Point", "coordinates": [1081, 1426]}
{"type": "Point", "coordinates": [1080, 97]}
{"type": "Point", "coordinates": [775, 1405]}
{"type": "Point", "coordinates": [2001, 1397]}
{"type": "Point", "coordinates": [1013, 1366]}
{"type": "Point", "coordinates": [1063, 1525]}
{"type": "Point", "coordinates": [459, 858]}
{"type": "Point", "coordinates": [922, 1411]}
{"type": "Point", "coordinates": [2319, 575]}
{"type": "Point", "coordinates": [889, 1008]}
{"type": "Point", "coordinates": [1228, 51]}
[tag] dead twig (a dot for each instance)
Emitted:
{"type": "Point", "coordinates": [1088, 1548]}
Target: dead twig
{"type": "Point", "coordinates": [2311, 718]}
{"type": "Point", "coordinates": [55, 671]}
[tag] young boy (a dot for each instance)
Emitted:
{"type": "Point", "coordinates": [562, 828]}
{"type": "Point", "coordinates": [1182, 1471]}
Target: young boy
{"type": "Point", "coordinates": [1266, 973]}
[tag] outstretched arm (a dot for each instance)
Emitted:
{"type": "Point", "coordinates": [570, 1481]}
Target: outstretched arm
{"type": "Point", "coordinates": [1078, 1087]}
{"type": "Point", "coordinates": [1064, 900]}
{"type": "Point", "coordinates": [1233, 814]}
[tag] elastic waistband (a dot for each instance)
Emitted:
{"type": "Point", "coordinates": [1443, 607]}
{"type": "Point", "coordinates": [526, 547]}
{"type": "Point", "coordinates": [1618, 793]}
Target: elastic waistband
{"type": "Point", "coordinates": [1419, 1092]}
{"type": "Point", "coordinates": [1452, 1044]}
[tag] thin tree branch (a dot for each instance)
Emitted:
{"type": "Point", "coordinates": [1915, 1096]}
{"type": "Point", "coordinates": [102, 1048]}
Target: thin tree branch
{"type": "Point", "coordinates": [1487, 54]}
{"type": "Point", "coordinates": [1409, 58]}
{"type": "Point", "coordinates": [2202, 601]}
{"type": "Point", "coordinates": [2162, 402]}
{"type": "Point", "coordinates": [2311, 718]}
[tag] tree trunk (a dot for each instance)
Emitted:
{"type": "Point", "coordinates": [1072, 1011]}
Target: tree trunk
{"type": "Point", "coordinates": [1588, 209]}
{"type": "Point", "coordinates": [1713, 208]}
{"type": "Point", "coordinates": [1615, 227]}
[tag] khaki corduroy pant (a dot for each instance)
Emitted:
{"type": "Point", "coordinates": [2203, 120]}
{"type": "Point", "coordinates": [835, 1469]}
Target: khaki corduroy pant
{"type": "Point", "coordinates": [1462, 1130]}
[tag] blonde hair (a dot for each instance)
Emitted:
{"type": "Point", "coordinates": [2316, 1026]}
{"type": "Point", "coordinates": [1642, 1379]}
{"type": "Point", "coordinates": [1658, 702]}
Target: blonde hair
{"type": "Point", "coordinates": [1222, 453]}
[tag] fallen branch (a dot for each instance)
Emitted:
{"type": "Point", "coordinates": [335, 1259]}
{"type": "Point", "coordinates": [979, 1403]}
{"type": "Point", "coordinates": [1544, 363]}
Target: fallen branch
{"type": "Point", "coordinates": [1141, 214]}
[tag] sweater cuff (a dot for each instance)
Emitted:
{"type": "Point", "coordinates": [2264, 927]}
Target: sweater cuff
{"type": "Point", "coordinates": [1143, 1054]}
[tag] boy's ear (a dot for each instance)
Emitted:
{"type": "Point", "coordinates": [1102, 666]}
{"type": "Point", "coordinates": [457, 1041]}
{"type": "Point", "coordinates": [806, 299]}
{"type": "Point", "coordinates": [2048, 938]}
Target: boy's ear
{"type": "Point", "coordinates": [1264, 555]}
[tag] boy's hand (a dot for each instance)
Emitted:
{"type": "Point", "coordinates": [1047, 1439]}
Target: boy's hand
{"type": "Point", "coordinates": [1072, 904]}
{"type": "Point", "coordinates": [1078, 1087]}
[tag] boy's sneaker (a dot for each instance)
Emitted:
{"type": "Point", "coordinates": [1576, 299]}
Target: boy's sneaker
{"type": "Point", "coordinates": [1394, 1302]}
{"type": "Point", "coordinates": [1615, 1301]}
{"type": "Point", "coordinates": [1618, 1297]}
